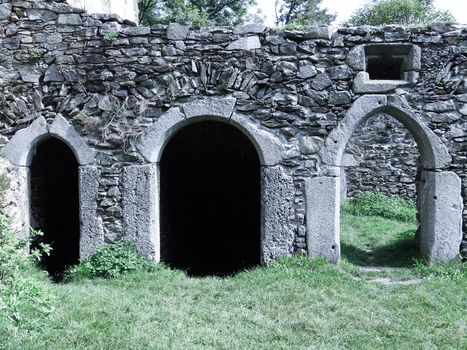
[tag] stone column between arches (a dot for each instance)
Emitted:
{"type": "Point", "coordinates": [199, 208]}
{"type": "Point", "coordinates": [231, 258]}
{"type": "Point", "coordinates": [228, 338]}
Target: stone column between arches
{"type": "Point", "coordinates": [91, 228]}
{"type": "Point", "coordinates": [141, 188]}
{"type": "Point", "coordinates": [439, 203]}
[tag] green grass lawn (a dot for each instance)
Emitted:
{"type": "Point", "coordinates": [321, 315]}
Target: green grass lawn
{"type": "Point", "coordinates": [297, 303]}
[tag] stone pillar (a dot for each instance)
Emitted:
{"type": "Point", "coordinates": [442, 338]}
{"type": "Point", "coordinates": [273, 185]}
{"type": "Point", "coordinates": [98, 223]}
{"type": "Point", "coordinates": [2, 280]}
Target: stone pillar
{"type": "Point", "coordinates": [277, 193]}
{"type": "Point", "coordinates": [440, 205]}
{"type": "Point", "coordinates": [140, 194]}
{"type": "Point", "coordinates": [323, 217]}
{"type": "Point", "coordinates": [15, 196]}
{"type": "Point", "coordinates": [92, 232]}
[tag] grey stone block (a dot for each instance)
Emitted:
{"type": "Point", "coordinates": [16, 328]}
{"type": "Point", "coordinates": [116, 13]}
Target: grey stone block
{"type": "Point", "coordinates": [5, 11]}
{"type": "Point", "coordinates": [363, 85]}
{"type": "Point", "coordinates": [72, 19]}
{"type": "Point", "coordinates": [245, 43]}
{"type": "Point", "coordinates": [441, 106]}
{"type": "Point", "coordinates": [19, 149]}
{"type": "Point", "coordinates": [323, 217]}
{"type": "Point", "coordinates": [338, 98]}
{"type": "Point", "coordinates": [310, 144]}
{"type": "Point", "coordinates": [15, 198]}
{"type": "Point", "coordinates": [136, 30]}
{"type": "Point", "coordinates": [63, 130]}
{"type": "Point", "coordinates": [317, 33]}
{"type": "Point", "coordinates": [151, 144]}
{"type": "Point", "coordinates": [269, 147]}
{"type": "Point", "coordinates": [356, 58]}
{"type": "Point", "coordinates": [140, 193]}
{"type": "Point", "coordinates": [307, 71]}
{"type": "Point", "coordinates": [440, 205]}
{"type": "Point", "coordinates": [218, 107]}
{"type": "Point", "coordinates": [277, 198]}
{"type": "Point", "coordinates": [177, 31]}
{"type": "Point", "coordinates": [30, 74]}
{"type": "Point", "coordinates": [53, 74]}
{"type": "Point", "coordinates": [321, 82]}
{"type": "Point", "coordinates": [92, 233]}
{"type": "Point", "coordinates": [41, 15]}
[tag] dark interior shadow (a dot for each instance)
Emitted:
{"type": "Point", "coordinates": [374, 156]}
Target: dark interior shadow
{"type": "Point", "coordinates": [210, 200]}
{"type": "Point", "coordinates": [398, 254]}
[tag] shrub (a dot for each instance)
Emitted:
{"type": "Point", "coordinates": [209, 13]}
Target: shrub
{"type": "Point", "coordinates": [25, 296]}
{"type": "Point", "coordinates": [378, 204]}
{"type": "Point", "coordinates": [402, 12]}
{"type": "Point", "coordinates": [110, 261]}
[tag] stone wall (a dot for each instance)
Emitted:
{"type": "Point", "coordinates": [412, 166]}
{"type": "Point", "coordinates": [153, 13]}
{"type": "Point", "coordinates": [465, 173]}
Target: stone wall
{"type": "Point", "coordinates": [383, 157]}
{"type": "Point", "coordinates": [112, 82]}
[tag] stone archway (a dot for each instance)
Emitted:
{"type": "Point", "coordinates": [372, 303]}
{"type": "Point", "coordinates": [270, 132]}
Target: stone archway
{"type": "Point", "coordinates": [20, 151]}
{"type": "Point", "coordinates": [210, 200]}
{"type": "Point", "coordinates": [141, 183]}
{"type": "Point", "coordinates": [54, 198]}
{"type": "Point", "coordinates": [439, 202]}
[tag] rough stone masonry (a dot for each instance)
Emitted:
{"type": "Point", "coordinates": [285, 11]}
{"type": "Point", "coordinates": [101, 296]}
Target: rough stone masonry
{"type": "Point", "coordinates": [115, 93]}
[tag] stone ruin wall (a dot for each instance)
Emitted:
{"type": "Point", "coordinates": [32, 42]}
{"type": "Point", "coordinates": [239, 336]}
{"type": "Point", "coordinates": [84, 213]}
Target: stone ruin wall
{"type": "Point", "coordinates": [112, 81]}
{"type": "Point", "coordinates": [382, 156]}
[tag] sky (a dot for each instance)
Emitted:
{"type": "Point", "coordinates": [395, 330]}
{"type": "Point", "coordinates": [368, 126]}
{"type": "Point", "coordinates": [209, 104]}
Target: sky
{"type": "Point", "coordinates": [344, 8]}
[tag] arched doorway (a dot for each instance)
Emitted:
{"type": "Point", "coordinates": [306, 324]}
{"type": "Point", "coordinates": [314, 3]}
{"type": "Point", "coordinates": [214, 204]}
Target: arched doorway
{"type": "Point", "coordinates": [380, 166]}
{"type": "Point", "coordinates": [438, 191]}
{"type": "Point", "coordinates": [210, 200]}
{"type": "Point", "coordinates": [54, 200]}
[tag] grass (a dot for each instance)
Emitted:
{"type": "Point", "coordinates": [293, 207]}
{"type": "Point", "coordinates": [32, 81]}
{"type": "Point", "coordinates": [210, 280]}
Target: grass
{"type": "Point", "coordinates": [296, 303]}
{"type": "Point", "coordinates": [393, 246]}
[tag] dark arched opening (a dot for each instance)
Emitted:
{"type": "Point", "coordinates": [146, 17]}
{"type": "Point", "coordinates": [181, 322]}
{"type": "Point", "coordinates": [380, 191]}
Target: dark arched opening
{"type": "Point", "coordinates": [210, 200]}
{"type": "Point", "coordinates": [55, 203]}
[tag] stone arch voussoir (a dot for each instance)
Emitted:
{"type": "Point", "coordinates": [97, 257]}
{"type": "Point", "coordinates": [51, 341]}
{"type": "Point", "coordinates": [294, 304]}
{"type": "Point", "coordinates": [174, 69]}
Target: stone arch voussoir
{"type": "Point", "coordinates": [433, 153]}
{"type": "Point", "coordinates": [151, 145]}
{"type": "Point", "coordinates": [20, 149]}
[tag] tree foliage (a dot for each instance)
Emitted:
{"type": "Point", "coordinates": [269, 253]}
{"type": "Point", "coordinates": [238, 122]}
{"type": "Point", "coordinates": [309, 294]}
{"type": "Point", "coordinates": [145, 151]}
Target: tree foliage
{"type": "Point", "coordinates": [194, 12]}
{"type": "Point", "coordinates": [402, 12]}
{"type": "Point", "coordinates": [302, 13]}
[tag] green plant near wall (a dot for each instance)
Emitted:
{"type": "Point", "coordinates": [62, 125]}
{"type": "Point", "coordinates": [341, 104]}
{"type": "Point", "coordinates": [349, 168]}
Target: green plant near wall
{"type": "Point", "coordinates": [25, 296]}
{"type": "Point", "coordinates": [111, 37]}
{"type": "Point", "coordinates": [379, 204]}
{"type": "Point", "coordinates": [110, 261]}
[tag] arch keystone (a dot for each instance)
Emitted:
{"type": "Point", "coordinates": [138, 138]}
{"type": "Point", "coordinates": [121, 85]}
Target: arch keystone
{"type": "Point", "coordinates": [214, 107]}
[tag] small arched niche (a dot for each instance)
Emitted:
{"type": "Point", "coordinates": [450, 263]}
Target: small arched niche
{"type": "Point", "coordinates": [210, 200]}
{"type": "Point", "coordinates": [54, 203]}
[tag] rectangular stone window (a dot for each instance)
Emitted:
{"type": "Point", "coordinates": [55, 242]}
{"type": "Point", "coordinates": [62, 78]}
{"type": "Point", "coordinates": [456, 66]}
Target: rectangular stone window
{"type": "Point", "coordinates": [384, 67]}
{"type": "Point", "coordinates": [388, 62]}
